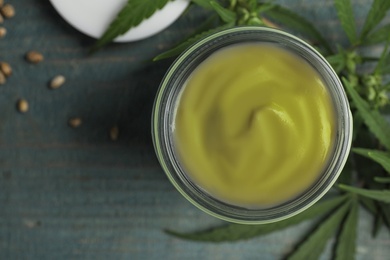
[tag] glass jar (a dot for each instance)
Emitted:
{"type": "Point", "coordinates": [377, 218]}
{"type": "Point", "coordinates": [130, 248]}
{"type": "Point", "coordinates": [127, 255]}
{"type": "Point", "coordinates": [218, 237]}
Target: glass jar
{"type": "Point", "coordinates": [163, 123]}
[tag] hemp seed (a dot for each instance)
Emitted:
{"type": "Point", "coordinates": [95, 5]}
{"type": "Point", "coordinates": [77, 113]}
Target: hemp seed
{"type": "Point", "coordinates": [3, 80]}
{"type": "Point", "coordinates": [22, 105]}
{"type": "Point", "coordinates": [5, 68]}
{"type": "Point", "coordinates": [34, 57]}
{"type": "Point", "coordinates": [57, 82]}
{"type": "Point", "coordinates": [114, 133]}
{"type": "Point", "coordinates": [3, 32]}
{"type": "Point", "coordinates": [75, 122]}
{"type": "Point", "coordinates": [8, 11]}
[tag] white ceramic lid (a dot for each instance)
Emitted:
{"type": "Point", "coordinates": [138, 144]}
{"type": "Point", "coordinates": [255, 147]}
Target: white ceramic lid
{"type": "Point", "coordinates": [92, 17]}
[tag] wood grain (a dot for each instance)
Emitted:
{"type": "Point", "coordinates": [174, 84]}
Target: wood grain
{"type": "Point", "coordinates": [73, 193]}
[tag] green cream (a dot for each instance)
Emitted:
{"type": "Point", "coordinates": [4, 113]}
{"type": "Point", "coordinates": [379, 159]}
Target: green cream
{"type": "Point", "coordinates": [254, 125]}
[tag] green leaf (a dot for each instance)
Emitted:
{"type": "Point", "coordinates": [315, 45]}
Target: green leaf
{"type": "Point", "coordinates": [226, 15]}
{"type": "Point", "coordinates": [380, 195]}
{"type": "Point", "coordinates": [383, 158]}
{"type": "Point", "coordinates": [376, 14]}
{"type": "Point", "coordinates": [382, 179]}
{"type": "Point", "coordinates": [346, 242]}
{"type": "Point", "coordinates": [384, 59]}
{"type": "Point", "coordinates": [378, 224]}
{"type": "Point", "coordinates": [203, 3]}
{"type": "Point", "coordinates": [298, 23]}
{"type": "Point", "coordinates": [210, 23]}
{"type": "Point", "coordinates": [385, 68]}
{"type": "Point", "coordinates": [131, 15]}
{"type": "Point", "coordinates": [264, 8]}
{"type": "Point", "coordinates": [337, 61]}
{"type": "Point", "coordinates": [369, 59]}
{"type": "Point", "coordinates": [252, 4]}
{"type": "Point", "coordinates": [371, 206]}
{"type": "Point", "coordinates": [347, 173]}
{"type": "Point", "coordinates": [184, 45]}
{"type": "Point", "coordinates": [357, 124]}
{"type": "Point", "coordinates": [381, 216]}
{"type": "Point", "coordinates": [313, 246]}
{"type": "Point", "coordinates": [372, 118]}
{"type": "Point", "coordinates": [234, 232]}
{"type": "Point", "coordinates": [378, 36]}
{"type": "Point", "coordinates": [347, 20]}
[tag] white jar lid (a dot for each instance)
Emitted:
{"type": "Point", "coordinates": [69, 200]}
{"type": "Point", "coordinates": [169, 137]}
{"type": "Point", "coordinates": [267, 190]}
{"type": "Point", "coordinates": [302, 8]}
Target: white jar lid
{"type": "Point", "coordinates": [92, 17]}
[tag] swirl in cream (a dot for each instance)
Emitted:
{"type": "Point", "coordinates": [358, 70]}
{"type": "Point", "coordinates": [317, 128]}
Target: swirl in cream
{"type": "Point", "coordinates": [254, 125]}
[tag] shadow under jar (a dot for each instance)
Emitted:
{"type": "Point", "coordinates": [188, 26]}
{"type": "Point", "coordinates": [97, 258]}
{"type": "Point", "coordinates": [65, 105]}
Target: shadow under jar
{"type": "Point", "coordinates": [251, 125]}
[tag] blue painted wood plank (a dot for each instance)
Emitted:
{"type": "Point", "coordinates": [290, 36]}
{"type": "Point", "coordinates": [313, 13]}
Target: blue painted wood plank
{"type": "Point", "coordinates": [74, 194]}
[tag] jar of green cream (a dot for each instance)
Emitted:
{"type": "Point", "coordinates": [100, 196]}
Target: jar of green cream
{"type": "Point", "coordinates": [252, 125]}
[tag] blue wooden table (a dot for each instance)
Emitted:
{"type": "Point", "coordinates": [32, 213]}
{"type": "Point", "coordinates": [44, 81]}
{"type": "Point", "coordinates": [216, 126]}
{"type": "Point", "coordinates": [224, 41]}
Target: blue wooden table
{"type": "Point", "coordinates": [72, 193]}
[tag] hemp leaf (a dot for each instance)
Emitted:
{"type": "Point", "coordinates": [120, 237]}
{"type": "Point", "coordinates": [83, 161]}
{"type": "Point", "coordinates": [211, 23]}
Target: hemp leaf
{"type": "Point", "coordinates": [298, 23]}
{"type": "Point", "coordinates": [378, 36]}
{"type": "Point", "coordinates": [226, 15]}
{"type": "Point", "coordinates": [347, 20]}
{"type": "Point", "coordinates": [383, 66]}
{"type": "Point", "coordinates": [132, 14]}
{"type": "Point", "coordinates": [337, 61]}
{"type": "Point", "coordinates": [184, 45]}
{"type": "Point", "coordinates": [382, 180]}
{"type": "Point", "coordinates": [203, 3]}
{"type": "Point", "coordinates": [372, 118]}
{"type": "Point", "coordinates": [377, 12]}
{"type": "Point", "coordinates": [383, 158]}
{"type": "Point", "coordinates": [234, 232]}
{"type": "Point", "coordinates": [367, 89]}
{"type": "Point", "coordinates": [346, 242]}
{"type": "Point", "coordinates": [313, 246]}
{"type": "Point", "coordinates": [373, 207]}
{"type": "Point", "coordinates": [380, 195]}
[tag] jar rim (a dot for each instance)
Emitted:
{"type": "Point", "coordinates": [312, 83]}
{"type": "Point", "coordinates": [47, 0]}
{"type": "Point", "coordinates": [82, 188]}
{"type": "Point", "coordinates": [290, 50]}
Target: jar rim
{"type": "Point", "coordinates": [165, 104]}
